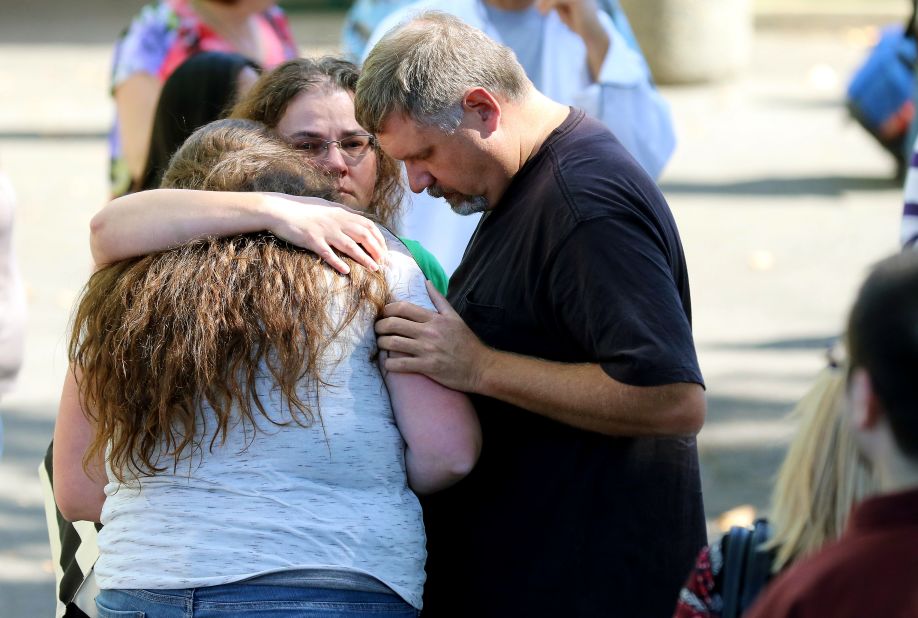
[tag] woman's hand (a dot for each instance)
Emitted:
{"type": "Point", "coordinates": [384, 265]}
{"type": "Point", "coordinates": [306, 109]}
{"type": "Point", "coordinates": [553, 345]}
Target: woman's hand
{"type": "Point", "coordinates": [331, 226]}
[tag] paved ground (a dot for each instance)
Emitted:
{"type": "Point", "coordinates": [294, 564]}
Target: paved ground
{"type": "Point", "coordinates": [782, 204]}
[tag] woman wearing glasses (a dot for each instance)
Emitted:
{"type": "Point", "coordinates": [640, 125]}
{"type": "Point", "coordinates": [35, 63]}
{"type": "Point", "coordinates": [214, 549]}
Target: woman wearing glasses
{"type": "Point", "coordinates": [232, 427]}
{"type": "Point", "coordinates": [310, 102]}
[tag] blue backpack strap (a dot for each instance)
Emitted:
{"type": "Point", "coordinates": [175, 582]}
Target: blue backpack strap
{"type": "Point", "coordinates": [758, 564]}
{"type": "Point", "coordinates": [734, 547]}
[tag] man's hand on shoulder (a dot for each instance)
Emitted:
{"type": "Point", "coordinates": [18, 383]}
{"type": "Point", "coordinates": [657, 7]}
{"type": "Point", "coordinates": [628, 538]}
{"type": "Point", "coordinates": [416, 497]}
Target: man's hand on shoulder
{"type": "Point", "coordinates": [438, 345]}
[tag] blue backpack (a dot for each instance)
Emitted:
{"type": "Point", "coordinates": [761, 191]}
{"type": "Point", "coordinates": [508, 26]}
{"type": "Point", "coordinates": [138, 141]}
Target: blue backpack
{"type": "Point", "coordinates": [747, 567]}
{"type": "Point", "coordinates": [881, 92]}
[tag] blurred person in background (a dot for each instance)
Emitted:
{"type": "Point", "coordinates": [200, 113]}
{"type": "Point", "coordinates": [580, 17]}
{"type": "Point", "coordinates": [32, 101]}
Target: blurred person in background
{"type": "Point", "coordinates": [365, 15]}
{"type": "Point", "coordinates": [158, 40]}
{"type": "Point", "coordinates": [822, 477]}
{"type": "Point", "coordinates": [311, 103]}
{"type": "Point", "coordinates": [12, 297]}
{"type": "Point", "coordinates": [574, 53]}
{"type": "Point", "coordinates": [872, 570]}
{"type": "Point", "coordinates": [202, 89]}
{"type": "Point", "coordinates": [227, 399]}
{"type": "Point", "coordinates": [908, 233]}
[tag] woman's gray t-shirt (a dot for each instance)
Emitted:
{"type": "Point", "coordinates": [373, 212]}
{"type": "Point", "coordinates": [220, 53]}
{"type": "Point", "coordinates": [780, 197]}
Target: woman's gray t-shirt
{"type": "Point", "coordinates": [331, 496]}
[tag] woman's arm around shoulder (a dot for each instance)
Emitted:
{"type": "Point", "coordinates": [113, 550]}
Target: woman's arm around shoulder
{"type": "Point", "coordinates": [156, 220]}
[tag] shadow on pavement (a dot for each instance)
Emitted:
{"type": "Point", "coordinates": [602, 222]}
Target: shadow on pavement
{"type": "Point", "coordinates": [795, 343]}
{"type": "Point", "coordinates": [59, 22]}
{"type": "Point", "coordinates": [742, 471]}
{"type": "Point", "coordinates": [777, 187]}
{"type": "Point", "coordinates": [730, 478]}
{"type": "Point", "coordinates": [26, 436]}
{"type": "Point", "coordinates": [733, 408]}
{"type": "Point", "coordinates": [34, 599]}
{"type": "Point", "coordinates": [23, 532]}
{"type": "Point", "coordinates": [81, 135]}
{"type": "Point", "coordinates": [800, 103]}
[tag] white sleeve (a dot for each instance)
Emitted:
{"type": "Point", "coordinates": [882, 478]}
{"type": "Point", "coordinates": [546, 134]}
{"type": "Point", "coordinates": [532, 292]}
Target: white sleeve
{"type": "Point", "coordinates": [626, 100]}
{"type": "Point", "coordinates": [909, 232]}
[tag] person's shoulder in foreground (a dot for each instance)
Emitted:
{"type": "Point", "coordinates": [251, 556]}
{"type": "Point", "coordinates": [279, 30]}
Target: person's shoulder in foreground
{"type": "Point", "coordinates": [871, 571]}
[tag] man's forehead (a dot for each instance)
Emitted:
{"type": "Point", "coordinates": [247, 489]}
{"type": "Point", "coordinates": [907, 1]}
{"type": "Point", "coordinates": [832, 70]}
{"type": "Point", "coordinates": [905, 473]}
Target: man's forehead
{"type": "Point", "coordinates": [403, 137]}
{"type": "Point", "coordinates": [400, 123]}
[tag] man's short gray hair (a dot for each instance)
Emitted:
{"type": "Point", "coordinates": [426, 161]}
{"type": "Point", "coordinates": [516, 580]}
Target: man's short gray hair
{"type": "Point", "coordinates": [423, 67]}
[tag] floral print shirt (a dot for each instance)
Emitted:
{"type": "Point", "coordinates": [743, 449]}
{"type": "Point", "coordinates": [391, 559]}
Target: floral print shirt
{"type": "Point", "coordinates": [162, 36]}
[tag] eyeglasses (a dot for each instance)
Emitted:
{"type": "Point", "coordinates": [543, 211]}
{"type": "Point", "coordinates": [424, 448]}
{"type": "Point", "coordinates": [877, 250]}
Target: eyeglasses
{"type": "Point", "coordinates": [352, 148]}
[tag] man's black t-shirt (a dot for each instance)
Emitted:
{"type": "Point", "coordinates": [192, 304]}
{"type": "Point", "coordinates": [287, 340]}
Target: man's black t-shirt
{"type": "Point", "coordinates": [580, 262]}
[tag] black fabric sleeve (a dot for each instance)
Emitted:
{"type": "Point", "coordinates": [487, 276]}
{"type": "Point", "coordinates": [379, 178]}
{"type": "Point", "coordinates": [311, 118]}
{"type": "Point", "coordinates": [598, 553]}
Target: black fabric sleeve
{"type": "Point", "coordinates": [611, 289]}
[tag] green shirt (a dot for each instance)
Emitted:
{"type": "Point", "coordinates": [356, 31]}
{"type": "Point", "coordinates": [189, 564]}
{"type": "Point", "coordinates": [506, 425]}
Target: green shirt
{"type": "Point", "coordinates": [428, 264]}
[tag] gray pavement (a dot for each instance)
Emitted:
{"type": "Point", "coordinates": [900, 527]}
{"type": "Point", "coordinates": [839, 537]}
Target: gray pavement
{"type": "Point", "coordinates": [781, 201]}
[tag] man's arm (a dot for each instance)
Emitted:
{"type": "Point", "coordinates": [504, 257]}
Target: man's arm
{"type": "Point", "coordinates": [443, 348]}
{"type": "Point", "coordinates": [160, 219]}
{"type": "Point", "coordinates": [584, 396]}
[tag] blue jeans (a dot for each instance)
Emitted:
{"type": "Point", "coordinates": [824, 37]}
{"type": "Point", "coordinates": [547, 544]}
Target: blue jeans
{"type": "Point", "coordinates": [258, 601]}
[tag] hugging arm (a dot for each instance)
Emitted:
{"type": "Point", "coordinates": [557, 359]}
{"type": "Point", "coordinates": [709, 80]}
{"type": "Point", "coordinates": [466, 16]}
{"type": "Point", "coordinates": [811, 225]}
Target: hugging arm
{"type": "Point", "coordinates": [440, 428]}
{"type": "Point", "coordinates": [160, 219]}
{"type": "Point", "coordinates": [78, 491]}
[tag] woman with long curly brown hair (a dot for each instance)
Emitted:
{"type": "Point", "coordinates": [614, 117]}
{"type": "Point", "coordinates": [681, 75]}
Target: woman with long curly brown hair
{"type": "Point", "coordinates": [311, 103]}
{"type": "Point", "coordinates": [228, 389]}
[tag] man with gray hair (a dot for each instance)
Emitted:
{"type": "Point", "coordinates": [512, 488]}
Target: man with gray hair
{"type": "Point", "coordinates": [571, 329]}
{"type": "Point", "coordinates": [576, 52]}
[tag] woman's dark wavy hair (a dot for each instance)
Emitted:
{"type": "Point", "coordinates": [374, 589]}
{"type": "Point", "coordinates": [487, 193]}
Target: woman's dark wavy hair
{"type": "Point", "coordinates": [155, 337]}
{"type": "Point", "coordinates": [268, 99]}
{"type": "Point", "coordinates": [202, 89]}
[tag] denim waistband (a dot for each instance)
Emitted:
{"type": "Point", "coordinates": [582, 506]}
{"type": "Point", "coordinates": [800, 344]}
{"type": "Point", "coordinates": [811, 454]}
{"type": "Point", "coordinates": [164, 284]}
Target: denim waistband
{"type": "Point", "coordinates": [337, 579]}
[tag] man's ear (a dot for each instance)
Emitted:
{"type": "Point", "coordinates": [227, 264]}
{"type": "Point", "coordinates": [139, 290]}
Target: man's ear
{"type": "Point", "coordinates": [867, 409]}
{"type": "Point", "coordinates": [485, 108]}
